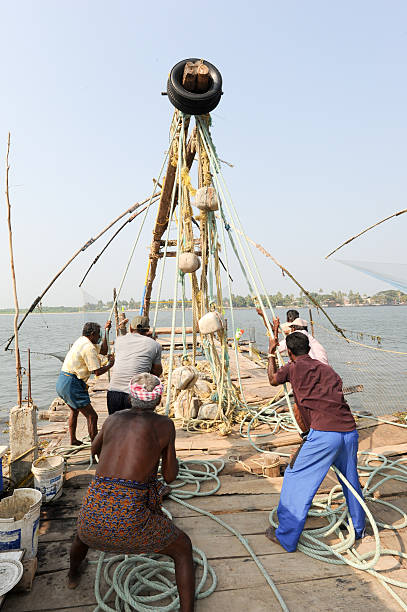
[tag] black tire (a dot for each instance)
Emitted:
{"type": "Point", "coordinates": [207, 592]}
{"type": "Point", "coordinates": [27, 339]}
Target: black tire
{"type": "Point", "coordinates": [189, 102]}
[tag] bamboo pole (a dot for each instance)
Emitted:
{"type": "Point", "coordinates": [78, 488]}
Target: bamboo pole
{"type": "Point", "coordinates": [129, 220]}
{"type": "Point", "coordinates": [83, 248]}
{"type": "Point", "coordinates": [116, 314]}
{"type": "Point", "coordinates": [13, 277]}
{"type": "Point", "coordinates": [311, 321]}
{"type": "Point", "coordinates": [401, 212]}
{"type": "Point", "coordinates": [285, 271]}
{"type": "Point", "coordinates": [29, 389]}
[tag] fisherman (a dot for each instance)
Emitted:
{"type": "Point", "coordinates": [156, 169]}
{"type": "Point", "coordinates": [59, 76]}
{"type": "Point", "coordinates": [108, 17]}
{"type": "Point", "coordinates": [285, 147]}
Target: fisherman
{"type": "Point", "coordinates": [329, 438]}
{"type": "Point", "coordinates": [317, 351]}
{"type": "Point", "coordinates": [135, 353]}
{"type": "Point", "coordinates": [121, 512]}
{"type": "Point", "coordinates": [81, 361]}
{"type": "Point", "coordinates": [292, 315]}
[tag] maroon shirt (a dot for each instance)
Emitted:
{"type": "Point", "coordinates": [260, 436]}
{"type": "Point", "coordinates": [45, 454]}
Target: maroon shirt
{"type": "Point", "coordinates": [318, 394]}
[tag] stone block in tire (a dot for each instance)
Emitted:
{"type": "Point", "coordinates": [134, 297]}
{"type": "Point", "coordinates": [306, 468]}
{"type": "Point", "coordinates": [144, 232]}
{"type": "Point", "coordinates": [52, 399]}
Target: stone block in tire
{"type": "Point", "coordinates": [189, 102]}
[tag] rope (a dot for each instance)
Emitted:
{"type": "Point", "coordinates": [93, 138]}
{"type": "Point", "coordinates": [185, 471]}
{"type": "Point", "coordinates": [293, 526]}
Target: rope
{"type": "Point", "coordinates": [131, 578]}
{"type": "Point", "coordinates": [141, 227]}
{"type": "Point", "coordinates": [344, 552]}
{"type": "Point", "coordinates": [210, 149]}
{"type": "Point", "coordinates": [134, 577]}
{"type": "Point", "coordinates": [174, 305]}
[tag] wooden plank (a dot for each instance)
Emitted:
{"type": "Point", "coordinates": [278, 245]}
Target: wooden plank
{"type": "Point", "coordinates": [54, 556]}
{"type": "Point", "coordinates": [211, 442]}
{"type": "Point", "coordinates": [321, 595]}
{"type": "Point", "coordinates": [214, 504]}
{"type": "Point", "coordinates": [389, 450]}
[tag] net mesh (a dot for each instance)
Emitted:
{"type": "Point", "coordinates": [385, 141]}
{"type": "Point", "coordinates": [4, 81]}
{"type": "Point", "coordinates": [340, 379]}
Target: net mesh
{"type": "Point", "coordinates": [374, 378]}
{"type": "Point", "coordinates": [393, 273]}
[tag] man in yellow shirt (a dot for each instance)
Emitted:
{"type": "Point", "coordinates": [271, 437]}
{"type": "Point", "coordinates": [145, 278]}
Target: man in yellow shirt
{"type": "Point", "coordinates": [81, 361]}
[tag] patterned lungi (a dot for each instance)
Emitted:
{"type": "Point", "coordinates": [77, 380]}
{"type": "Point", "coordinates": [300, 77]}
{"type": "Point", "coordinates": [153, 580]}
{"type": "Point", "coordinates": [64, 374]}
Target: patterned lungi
{"type": "Point", "coordinates": [125, 516]}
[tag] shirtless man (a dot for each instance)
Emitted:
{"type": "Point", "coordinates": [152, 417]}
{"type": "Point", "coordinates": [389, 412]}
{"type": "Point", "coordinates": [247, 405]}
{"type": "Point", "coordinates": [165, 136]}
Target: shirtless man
{"type": "Point", "coordinates": [121, 512]}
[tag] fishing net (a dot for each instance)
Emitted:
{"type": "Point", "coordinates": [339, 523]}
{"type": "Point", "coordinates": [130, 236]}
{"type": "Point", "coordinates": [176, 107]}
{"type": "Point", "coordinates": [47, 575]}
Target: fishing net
{"type": "Point", "coordinates": [374, 377]}
{"type": "Point", "coordinates": [392, 273]}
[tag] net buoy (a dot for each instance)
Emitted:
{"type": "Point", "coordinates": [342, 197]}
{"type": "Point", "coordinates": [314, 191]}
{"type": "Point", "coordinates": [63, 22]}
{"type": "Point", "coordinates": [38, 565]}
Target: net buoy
{"type": "Point", "coordinates": [210, 323]}
{"type": "Point", "coordinates": [189, 262]}
{"type": "Point", "coordinates": [206, 199]}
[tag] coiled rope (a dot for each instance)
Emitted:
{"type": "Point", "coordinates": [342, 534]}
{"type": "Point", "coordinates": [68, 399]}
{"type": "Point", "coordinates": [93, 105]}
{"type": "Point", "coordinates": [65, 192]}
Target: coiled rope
{"type": "Point", "coordinates": [131, 578]}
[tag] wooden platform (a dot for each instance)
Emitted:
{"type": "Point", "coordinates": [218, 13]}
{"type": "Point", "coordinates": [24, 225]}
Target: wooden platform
{"type": "Point", "coordinates": [244, 501]}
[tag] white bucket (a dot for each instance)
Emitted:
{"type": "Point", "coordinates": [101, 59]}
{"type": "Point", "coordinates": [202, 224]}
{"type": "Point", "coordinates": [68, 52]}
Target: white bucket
{"type": "Point", "coordinates": [48, 475]}
{"type": "Point", "coordinates": [19, 521]}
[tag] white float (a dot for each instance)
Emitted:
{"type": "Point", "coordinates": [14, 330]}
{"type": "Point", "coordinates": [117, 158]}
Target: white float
{"type": "Point", "coordinates": [206, 199]}
{"type": "Point", "coordinates": [210, 323]}
{"type": "Point", "coordinates": [189, 262]}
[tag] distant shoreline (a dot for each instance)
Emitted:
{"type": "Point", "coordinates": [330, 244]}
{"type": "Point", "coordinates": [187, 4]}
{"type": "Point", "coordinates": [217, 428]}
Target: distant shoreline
{"type": "Point", "coordinates": [9, 311]}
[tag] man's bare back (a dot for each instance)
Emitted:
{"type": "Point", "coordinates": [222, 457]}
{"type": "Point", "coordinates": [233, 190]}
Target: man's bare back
{"type": "Point", "coordinates": [131, 443]}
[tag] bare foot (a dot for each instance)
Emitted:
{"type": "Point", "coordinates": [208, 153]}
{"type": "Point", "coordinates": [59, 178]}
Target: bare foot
{"type": "Point", "coordinates": [75, 577]}
{"type": "Point", "coordinates": [271, 535]}
{"type": "Point", "coordinates": [76, 442]}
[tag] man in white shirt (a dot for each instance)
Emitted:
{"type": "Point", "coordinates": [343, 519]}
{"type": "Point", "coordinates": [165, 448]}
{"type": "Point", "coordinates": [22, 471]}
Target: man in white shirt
{"type": "Point", "coordinates": [317, 351]}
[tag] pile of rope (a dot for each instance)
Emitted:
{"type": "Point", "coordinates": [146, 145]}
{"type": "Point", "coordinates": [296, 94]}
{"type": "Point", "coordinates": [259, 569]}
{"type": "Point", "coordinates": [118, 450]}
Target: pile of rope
{"type": "Point", "coordinates": [317, 542]}
{"type": "Point", "coordinates": [143, 582]}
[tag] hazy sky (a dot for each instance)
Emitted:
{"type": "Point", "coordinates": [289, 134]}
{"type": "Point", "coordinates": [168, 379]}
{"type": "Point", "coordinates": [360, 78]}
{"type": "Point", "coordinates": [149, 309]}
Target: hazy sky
{"type": "Point", "coordinates": [313, 118]}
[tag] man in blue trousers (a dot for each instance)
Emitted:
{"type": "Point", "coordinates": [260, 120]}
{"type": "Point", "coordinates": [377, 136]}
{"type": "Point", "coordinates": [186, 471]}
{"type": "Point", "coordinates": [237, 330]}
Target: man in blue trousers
{"type": "Point", "coordinates": [330, 439]}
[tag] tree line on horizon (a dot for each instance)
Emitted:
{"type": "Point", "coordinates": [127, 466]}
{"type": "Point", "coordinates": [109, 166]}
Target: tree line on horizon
{"type": "Point", "coordinates": [334, 298]}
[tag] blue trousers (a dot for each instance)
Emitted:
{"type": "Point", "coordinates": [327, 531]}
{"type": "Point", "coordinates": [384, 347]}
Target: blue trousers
{"type": "Point", "coordinates": [321, 450]}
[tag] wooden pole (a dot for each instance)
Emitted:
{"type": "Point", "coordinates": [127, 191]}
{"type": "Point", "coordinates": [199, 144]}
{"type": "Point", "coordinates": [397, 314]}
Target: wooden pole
{"type": "Point", "coordinates": [13, 276]}
{"type": "Point", "coordinates": [29, 392]}
{"type": "Point", "coordinates": [196, 77]}
{"type": "Point", "coordinates": [83, 248]}
{"type": "Point", "coordinates": [401, 212]}
{"type": "Point", "coordinates": [189, 76]}
{"type": "Point", "coordinates": [202, 78]}
{"type": "Point", "coordinates": [311, 321]}
{"type": "Point", "coordinates": [123, 324]}
{"type": "Point", "coordinates": [162, 217]}
{"type": "Point", "coordinates": [116, 314]}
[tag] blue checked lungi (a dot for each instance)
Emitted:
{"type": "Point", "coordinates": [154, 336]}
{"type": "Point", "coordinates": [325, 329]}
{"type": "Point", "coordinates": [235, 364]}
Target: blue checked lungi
{"type": "Point", "coordinates": [72, 390]}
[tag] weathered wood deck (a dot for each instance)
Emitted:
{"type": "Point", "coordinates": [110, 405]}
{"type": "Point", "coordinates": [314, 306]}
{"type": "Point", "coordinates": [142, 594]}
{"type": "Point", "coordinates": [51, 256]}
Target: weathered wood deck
{"type": "Point", "coordinates": [244, 501]}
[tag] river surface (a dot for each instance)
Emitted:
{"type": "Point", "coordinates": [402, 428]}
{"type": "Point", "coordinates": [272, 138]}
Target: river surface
{"type": "Point", "coordinates": [383, 374]}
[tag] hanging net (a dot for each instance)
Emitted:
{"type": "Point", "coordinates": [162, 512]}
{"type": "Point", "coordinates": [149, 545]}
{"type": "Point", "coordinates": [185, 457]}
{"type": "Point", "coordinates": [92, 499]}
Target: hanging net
{"type": "Point", "coordinates": [392, 273]}
{"type": "Point", "coordinates": [374, 378]}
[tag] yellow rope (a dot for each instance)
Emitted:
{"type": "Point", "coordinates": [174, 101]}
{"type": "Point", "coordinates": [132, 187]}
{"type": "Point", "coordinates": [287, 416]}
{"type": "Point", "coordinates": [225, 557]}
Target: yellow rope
{"type": "Point", "coordinates": [186, 179]}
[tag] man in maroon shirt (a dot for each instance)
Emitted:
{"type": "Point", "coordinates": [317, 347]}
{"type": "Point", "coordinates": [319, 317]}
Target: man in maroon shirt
{"type": "Point", "coordinates": [330, 439]}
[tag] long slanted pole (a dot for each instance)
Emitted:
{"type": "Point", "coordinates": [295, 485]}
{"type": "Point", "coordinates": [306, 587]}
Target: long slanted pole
{"type": "Point", "coordinates": [13, 276]}
{"type": "Point", "coordinates": [401, 212]}
{"type": "Point", "coordinates": [129, 220]}
{"type": "Point", "coordinates": [83, 248]}
{"type": "Point", "coordinates": [286, 272]}
{"type": "Point", "coordinates": [116, 314]}
{"type": "Point", "coordinates": [162, 217]}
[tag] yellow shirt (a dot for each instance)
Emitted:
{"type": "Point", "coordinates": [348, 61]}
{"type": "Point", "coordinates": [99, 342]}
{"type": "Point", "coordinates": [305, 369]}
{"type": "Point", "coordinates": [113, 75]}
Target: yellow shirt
{"type": "Point", "coordinates": [82, 358]}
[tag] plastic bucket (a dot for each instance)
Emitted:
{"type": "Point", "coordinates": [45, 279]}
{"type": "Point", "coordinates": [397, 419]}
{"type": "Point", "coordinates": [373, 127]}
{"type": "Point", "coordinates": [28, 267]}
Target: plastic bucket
{"type": "Point", "coordinates": [19, 521]}
{"type": "Point", "coordinates": [48, 475]}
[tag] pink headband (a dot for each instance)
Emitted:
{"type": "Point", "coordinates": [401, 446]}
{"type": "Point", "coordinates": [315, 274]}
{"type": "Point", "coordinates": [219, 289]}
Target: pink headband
{"type": "Point", "coordinates": [141, 393]}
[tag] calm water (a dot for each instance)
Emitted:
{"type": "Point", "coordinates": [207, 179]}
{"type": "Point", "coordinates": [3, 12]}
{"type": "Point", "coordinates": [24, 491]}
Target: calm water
{"type": "Point", "coordinates": [55, 332]}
